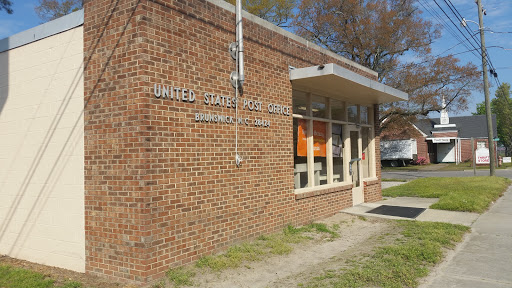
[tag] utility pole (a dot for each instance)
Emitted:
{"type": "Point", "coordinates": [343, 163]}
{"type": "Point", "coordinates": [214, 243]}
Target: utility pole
{"type": "Point", "coordinates": [486, 91]}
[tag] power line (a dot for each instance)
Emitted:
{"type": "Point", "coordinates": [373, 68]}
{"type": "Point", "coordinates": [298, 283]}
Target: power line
{"type": "Point", "coordinates": [459, 20]}
{"type": "Point", "coordinates": [456, 25]}
{"type": "Point", "coordinates": [441, 20]}
{"type": "Point", "coordinates": [434, 58]}
{"type": "Point", "coordinates": [499, 32]}
{"type": "Point", "coordinates": [473, 49]}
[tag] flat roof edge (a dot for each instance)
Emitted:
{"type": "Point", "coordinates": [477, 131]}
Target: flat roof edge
{"type": "Point", "coordinates": [336, 70]}
{"type": "Point", "coordinates": [47, 29]}
{"type": "Point", "coordinates": [225, 5]}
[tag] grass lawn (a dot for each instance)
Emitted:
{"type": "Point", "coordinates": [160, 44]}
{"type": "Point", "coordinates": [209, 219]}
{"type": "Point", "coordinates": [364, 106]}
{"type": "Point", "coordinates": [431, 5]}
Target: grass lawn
{"type": "Point", "coordinates": [405, 257]}
{"type": "Point", "coordinates": [418, 248]}
{"type": "Point", "coordinates": [251, 251]}
{"type": "Point", "coordinates": [11, 277]}
{"type": "Point", "coordinates": [468, 194]}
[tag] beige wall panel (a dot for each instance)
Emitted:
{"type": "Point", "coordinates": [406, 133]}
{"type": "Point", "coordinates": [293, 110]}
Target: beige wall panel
{"type": "Point", "coordinates": [42, 151]}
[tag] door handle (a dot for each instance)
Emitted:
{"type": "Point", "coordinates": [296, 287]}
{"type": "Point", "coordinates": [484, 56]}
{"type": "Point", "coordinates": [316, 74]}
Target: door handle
{"type": "Point", "coordinates": [350, 164]}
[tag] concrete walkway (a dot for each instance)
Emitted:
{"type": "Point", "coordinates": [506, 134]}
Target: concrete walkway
{"type": "Point", "coordinates": [433, 215]}
{"type": "Point", "coordinates": [484, 259]}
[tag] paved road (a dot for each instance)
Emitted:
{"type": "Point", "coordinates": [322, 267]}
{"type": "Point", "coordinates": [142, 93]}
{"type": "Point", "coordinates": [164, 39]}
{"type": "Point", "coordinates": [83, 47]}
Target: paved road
{"type": "Point", "coordinates": [423, 174]}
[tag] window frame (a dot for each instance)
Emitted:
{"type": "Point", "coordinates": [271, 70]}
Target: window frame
{"type": "Point", "coordinates": [345, 139]}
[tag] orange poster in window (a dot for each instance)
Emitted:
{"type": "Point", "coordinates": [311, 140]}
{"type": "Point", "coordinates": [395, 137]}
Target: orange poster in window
{"type": "Point", "coordinates": [302, 143]}
{"type": "Point", "coordinates": [319, 136]}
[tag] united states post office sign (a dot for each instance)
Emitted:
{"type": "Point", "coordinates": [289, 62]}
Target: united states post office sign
{"type": "Point", "coordinates": [174, 93]}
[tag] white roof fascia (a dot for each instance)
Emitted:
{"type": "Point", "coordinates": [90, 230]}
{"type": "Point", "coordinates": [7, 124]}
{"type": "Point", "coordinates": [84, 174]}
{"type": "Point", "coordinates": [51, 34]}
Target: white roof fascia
{"type": "Point", "coordinates": [339, 82]}
{"type": "Point", "coordinates": [47, 29]}
{"type": "Point", "coordinates": [445, 131]}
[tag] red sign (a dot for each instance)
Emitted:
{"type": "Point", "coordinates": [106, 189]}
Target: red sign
{"type": "Point", "coordinates": [319, 138]}
{"type": "Point", "coordinates": [302, 140]}
{"type": "Point", "coordinates": [482, 156]}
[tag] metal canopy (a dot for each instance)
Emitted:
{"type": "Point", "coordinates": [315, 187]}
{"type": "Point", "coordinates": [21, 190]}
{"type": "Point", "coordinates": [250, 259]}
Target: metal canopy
{"type": "Point", "coordinates": [340, 83]}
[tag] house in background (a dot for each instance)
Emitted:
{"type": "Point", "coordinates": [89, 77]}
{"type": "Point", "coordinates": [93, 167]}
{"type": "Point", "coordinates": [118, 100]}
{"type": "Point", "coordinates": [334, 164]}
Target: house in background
{"type": "Point", "coordinates": [441, 140]}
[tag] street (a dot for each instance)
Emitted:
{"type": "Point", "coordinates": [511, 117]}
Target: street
{"type": "Point", "coordinates": [410, 175]}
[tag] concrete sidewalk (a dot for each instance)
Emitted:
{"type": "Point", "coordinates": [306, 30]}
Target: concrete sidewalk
{"type": "Point", "coordinates": [484, 259]}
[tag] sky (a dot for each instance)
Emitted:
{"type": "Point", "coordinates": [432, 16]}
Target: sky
{"type": "Point", "coordinates": [22, 19]}
{"type": "Point", "coordinates": [498, 19]}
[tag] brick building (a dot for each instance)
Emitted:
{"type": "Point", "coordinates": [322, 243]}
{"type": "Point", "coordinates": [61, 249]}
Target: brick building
{"type": "Point", "coordinates": [119, 127]}
{"type": "Point", "coordinates": [445, 139]}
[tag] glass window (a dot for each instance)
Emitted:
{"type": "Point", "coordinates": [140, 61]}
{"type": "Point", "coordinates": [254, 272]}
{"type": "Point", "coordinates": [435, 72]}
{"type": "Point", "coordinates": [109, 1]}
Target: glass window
{"type": "Point", "coordinates": [320, 152]}
{"type": "Point", "coordinates": [300, 103]}
{"type": "Point", "coordinates": [337, 110]}
{"type": "Point", "coordinates": [319, 138]}
{"type": "Point", "coordinates": [337, 153]}
{"type": "Point", "coordinates": [318, 106]}
{"type": "Point", "coordinates": [352, 113]}
{"type": "Point", "coordinates": [311, 135]}
{"type": "Point", "coordinates": [363, 110]}
{"type": "Point", "coordinates": [300, 152]}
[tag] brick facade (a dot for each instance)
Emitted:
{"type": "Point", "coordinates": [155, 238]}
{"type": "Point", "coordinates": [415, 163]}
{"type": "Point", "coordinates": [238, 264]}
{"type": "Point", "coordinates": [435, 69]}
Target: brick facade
{"type": "Point", "coordinates": [372, 191]}
{"type": "Point", "coordinates": [465, 148]}
{"type": "Point", "coordinates": [162, 189]}
{"type": "Point", "coordinates": [422, 149]}
{"type": "Point", "coordinates": [444, 134]}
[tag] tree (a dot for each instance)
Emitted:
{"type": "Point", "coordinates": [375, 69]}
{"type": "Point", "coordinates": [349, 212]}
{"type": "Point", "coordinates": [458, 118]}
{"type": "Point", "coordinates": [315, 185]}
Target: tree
{"type": "Point", "coordinates": [372, 33]}
{"type": "Point", "coordinates": [49, 10]}
{"type": "Point", "coordinates": [6, 5]}
{"type": "Point", "coordinates": [427, 84]}
{"type": "Point", "coordinates": [276, 11]}
{"type": "Point", "coordinates": [502, 107]}
{"type": "Point", "coordinates": [480, 109]}
{"type": "Point", "coordinates": [376, 34]}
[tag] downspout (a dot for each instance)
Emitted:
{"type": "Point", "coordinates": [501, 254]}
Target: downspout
{"type": "Point", "coordinates": [238, 78]}
{"type": "Point", "coordinates": [240, 40]}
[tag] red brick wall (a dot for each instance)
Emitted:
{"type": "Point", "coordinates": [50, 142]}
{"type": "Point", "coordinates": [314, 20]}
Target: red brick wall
{"type": "Point", "coordinates": [162, 189]}
{"type": "Point", "coordinates": [444, 134]}
{"type": "Point", "coordinates": [117, 182]}
{"type": "Point", "coordinates": [422, 148]}
{"type": "Point", "coordinates": [466, 153]}
{"type": "Point", "coordinates": [372, 191]}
